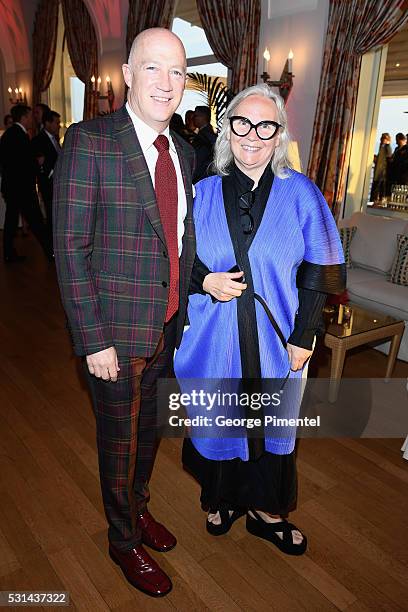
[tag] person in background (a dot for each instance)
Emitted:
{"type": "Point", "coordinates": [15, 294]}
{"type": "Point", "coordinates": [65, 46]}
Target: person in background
{"type": "Point", "coordinates": [38, 112]}
{"type": "Point", "coordinates": [401, 141]}
{"type": "Point", "coordinates": [18, 184]}
{"type": "Point", "coordinates": [203, 142]}
{"type": "Point", "coordinates": [177, 125]}
{"type": "Point", "coordinates": [189, 121]}
{"type": "Point", "coordinates": [400, 165]}
{"type": "Point", "coordinates": [46, 148]}
{"type": "Point", "coordinates": [380, 188]}
{"type": "Point", "coordinates": [397, 171]}
{"type": "Point", "coordinates": [7, 121]}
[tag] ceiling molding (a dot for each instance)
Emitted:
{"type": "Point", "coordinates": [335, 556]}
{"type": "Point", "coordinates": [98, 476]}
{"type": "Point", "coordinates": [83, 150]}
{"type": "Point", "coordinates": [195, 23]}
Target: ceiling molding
{"type": "Point", "coordinates": [397, 54]}
{"type": "Point", "coordinates": [187, 10]}
{"type": "Point", "coordinates": [395, 88]}
{"type": "Point", "coordinates": [283, 8]}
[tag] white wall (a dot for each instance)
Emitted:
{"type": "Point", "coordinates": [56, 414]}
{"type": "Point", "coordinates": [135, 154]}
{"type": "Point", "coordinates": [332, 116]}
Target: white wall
{"type": "Point", "coordinates": [110, 17]}
{"type": "Point", "coordinates": [299, 25]}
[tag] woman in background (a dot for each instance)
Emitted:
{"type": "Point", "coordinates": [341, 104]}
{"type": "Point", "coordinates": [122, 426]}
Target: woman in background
{"type": "Point", "coordinates": [380, 188]}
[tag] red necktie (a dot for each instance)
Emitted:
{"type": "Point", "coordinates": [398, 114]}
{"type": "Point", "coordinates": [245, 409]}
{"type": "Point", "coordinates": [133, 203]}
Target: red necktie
{"type": "Point", "coordinates": [165, 186]}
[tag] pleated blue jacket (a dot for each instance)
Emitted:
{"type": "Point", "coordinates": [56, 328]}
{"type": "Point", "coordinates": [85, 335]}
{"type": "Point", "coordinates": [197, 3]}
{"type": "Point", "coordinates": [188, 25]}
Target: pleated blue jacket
{"type": "Point", "coordinates": [297, 225]}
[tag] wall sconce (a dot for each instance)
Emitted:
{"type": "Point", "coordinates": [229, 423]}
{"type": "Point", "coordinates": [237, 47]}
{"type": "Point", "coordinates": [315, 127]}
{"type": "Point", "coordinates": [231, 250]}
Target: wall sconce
{"type": "Point", "coordinates": [96, 91]}
{"type": "Point", "coordinates": [21, 97]}
{"type": "Point", "coordinates": [285, 82]}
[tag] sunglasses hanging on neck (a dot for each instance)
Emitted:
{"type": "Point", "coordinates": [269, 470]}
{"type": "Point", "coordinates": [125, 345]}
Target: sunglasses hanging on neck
{"type": "Point", "coordinates": [246, 201]}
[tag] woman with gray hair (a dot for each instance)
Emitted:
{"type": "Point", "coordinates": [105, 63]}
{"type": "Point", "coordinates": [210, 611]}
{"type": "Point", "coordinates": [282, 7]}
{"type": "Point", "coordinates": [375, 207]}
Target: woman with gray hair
{"type": "Point", "coordinates": [268, 252]}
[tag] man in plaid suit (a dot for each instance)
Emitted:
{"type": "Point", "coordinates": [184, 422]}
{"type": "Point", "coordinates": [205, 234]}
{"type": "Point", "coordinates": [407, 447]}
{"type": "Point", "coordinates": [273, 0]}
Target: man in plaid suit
{"type": "Point", "coordinates": [124, 250]}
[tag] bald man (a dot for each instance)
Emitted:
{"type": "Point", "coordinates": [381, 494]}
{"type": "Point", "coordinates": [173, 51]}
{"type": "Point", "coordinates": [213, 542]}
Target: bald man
{"type": "Point", "coordinates": [124, 250]}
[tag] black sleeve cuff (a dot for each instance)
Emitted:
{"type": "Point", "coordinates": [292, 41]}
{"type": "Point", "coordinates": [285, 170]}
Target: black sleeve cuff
{"type": "Point", "coordinates": [326, 279]}
{"type": "Point", "coordinates": [302, 337]}
{"type": "Point", "coordinates": [308, 319]}
{"type": "Point", "coordinates": [198, 274]}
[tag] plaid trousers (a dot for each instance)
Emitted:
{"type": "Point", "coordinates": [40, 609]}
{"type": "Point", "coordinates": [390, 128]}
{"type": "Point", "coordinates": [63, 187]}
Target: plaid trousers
{"type": "Point", "coordinates": [127, 439]}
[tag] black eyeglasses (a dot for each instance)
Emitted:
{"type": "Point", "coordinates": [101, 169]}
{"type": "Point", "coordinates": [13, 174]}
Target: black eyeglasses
{"type": "Point", "coordinates": [246, 201]}
{"type": "Point", "coordinates": [265, 130]}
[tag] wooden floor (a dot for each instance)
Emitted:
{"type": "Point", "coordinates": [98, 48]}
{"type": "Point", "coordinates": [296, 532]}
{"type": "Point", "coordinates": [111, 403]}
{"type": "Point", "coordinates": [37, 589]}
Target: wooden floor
{"type": "Point", "coordinates": [353, 498]}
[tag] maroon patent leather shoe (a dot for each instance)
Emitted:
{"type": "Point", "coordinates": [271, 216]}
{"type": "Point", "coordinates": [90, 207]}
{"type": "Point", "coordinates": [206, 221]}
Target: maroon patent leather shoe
{"type": "Point", "coordinates": [155, 534]}
{"type": "Point", "coordinates": [142, 571]}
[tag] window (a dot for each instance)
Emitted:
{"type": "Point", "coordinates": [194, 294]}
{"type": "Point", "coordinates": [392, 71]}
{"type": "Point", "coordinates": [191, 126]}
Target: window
{"type": "Point", "coordinates": [77, 99]}
{"type": "Point", "coordinates": [200, 58]}
{"type": "Point", "coordinates": [66, 91]}
{"type": "Point", "coordinates": [382, 106]}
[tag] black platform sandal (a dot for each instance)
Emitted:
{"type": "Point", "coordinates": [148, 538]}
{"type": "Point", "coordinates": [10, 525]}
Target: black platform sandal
{"type": "Point", "coordinates": [268, 531]}
{"type": "Point", "coordinates": [226, 520]}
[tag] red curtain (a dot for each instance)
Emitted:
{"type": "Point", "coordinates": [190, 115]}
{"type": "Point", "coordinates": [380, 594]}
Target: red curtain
{"type": "Point", "coordinates": [83, 49]}
{"type": "Point", "coordinates": [44, 46]}
{"type": "Point", "coordinates": [232, 29]}
{"type": "Point", "coordinates": [143, 15]}
{"type": "Point", "coordinates": [354, 28]}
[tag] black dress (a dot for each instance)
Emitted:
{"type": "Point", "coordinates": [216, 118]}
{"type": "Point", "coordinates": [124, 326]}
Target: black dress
{"type": "Point", "coordinates": [267, 481]}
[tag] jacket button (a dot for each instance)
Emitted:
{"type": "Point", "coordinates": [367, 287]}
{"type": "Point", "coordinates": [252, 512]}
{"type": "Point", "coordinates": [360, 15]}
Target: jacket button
{"type": "Point", "coordinates": [164, 283]}
{"type": "Point", "coordinates": [164, 254]}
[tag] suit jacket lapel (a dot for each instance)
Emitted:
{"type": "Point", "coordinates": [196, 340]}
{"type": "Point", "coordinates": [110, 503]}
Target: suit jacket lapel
{"type": "Point", "coordinates": [185, 168]}
{"type": "Point", "coordinates": [51, 152]}
{"type": "Point", "coordinates": [187, 180]}
{"type": "Point", "coordinates": [129, 143]}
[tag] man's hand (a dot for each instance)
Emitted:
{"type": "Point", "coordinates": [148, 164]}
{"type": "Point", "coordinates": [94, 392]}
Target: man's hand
{"type": "Point", "coordinates": [222, 286]}
{"type": "Point", "coordinates": [298, 356]}
{"type": "Point", "coordinates": [104, 364]}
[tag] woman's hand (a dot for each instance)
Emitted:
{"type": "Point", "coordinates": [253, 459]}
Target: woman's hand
{"type": "Point", "coordinates": [297, 356]}
{"type": "Point", "coordinates": [222, 286]}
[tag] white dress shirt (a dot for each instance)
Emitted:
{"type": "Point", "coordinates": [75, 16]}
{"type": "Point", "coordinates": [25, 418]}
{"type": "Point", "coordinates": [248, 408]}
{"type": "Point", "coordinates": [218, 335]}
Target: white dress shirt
{"type": "Point", "coordinates": [146, 136]}
{"type": "Point", "coordinates": [53, 140]}
{"type": "Point", "coordinates": [22, 126]}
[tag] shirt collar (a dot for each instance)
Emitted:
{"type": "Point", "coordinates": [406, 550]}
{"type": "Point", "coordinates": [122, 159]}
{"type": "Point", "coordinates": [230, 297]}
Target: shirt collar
{"type": "Point", "coordinates": [145, 134]}
{"type": "Point", "coordinates": [22, 126]}
{"type": "Point", "coordinates": [244, 183]}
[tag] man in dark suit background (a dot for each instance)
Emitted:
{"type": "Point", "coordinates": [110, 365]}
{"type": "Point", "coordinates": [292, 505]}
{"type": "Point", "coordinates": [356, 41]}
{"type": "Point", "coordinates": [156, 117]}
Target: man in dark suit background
{"type": "Point", "coordinates": [203, 142]}
{"type": "Point", "coordinates": [46, 148]}
{"type": "Point", "coordinates": [18, 184]}
{"type": "Point", "coordinates": [124, 247]}
{"type": "Point", "coordinates": [38, 114]}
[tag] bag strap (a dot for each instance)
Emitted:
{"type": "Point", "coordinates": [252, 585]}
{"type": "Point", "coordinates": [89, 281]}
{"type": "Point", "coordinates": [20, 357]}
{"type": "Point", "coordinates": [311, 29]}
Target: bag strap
{"type": "Point", "coordinates": [271, 319]}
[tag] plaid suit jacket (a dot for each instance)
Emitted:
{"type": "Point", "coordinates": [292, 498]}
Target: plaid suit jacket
{"type": "Point", "coordinates": [110, 251]}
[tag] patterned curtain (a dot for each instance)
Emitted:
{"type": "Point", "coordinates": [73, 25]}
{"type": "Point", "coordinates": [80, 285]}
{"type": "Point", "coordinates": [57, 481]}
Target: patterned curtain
{"type": "Point", "coordinates": [143, 15]}
{"type": "Point", "coordinates": [44, 46]}
{"type": "Point", "coordinates": [83, 49]}
{"type": "Point", "coordinates": [354, 28]}
{"type": "Point", "coordinates": [232, 29]}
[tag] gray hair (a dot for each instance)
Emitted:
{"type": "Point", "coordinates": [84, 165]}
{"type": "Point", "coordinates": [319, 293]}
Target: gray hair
{"type": "Point", "coordinates": [222, 151]}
